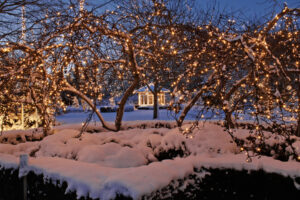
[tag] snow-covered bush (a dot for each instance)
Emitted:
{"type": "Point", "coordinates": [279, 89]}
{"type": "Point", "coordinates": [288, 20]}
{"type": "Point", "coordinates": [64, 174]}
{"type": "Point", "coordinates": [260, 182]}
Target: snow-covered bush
{"type": "Point", "coordinates": [210, 183]}
{"type": "Point", "coordinates": [276, 141]}
{"type": "Point", "coordinates": [144, 162]}
{"type": "Point", "coordinates": [201, 183]}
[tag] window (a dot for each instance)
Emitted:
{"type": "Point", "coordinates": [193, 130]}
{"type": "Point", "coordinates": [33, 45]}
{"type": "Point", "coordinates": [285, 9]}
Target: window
{"type": "Point", "coordinates": [143, 100]}
{"type": "Point", "coordinates": [161, 99]}
{"type": "Point", "coordinates": [150, 99]}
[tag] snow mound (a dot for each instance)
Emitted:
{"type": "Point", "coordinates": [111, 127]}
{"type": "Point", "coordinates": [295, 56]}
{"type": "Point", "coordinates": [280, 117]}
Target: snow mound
{"type": "Point", "coordinates": [136, 161]}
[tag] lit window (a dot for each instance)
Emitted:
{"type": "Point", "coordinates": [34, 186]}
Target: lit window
{"type": "Point", "coordinates": [150, 99]}
{"type": "Point", "coordinates": [161, 99]}
{"type": "Point", "coordinates": [143, 99]}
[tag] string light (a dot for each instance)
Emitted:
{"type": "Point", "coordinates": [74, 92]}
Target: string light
{"type": "Point", "coordinates": [222, 69]}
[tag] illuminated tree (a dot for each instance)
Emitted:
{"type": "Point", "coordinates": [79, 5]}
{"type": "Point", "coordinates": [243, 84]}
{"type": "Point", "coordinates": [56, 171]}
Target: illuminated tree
{"type": "Point", "coordinates": [248, 74]}
{"type": "Point", "coordinates": [13, 12]}
{"type": "Point", "coordinates": [263, 82]}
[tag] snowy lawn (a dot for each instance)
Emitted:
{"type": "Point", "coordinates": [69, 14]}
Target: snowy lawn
{"type": "Point", "coordinates": [133, 162]}
{"type": "Point", "coordinates": [78, 117]}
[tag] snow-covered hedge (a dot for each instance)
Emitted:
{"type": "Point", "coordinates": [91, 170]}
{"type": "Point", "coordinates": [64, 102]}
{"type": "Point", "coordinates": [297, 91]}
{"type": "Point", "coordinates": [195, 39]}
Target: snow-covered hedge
{"type": "Point", "coordinates": [210, 183]}
{"type": "Point", "coordinates": [146, 160]}
{"type": "Point", "coordinates": [39, 187]}
{"type": "Point", "coordinates": [203, 183]}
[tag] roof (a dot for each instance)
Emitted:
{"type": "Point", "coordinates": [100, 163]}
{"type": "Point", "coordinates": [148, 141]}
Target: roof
{"type": "Point", "coordinates": [151, 85]}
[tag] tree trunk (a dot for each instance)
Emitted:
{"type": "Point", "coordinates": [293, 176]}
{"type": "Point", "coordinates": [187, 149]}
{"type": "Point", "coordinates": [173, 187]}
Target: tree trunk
{"type": "Point", "coordinates": [193, 101]}
{"type": "Point", "coordinates": [228, 120]}
{"type": "Point", "coordinates": [298, 122]}
{"type": "Point", "coordinates": [298, 126]}
{"type": "Point", "coordinates": [45, 119]}
{"type": "Point", "coordinates": [188, 107]}
{"type": "Point", "coordinates": [70, 88]}
{"type": "Point", "coordinates": [120, 111]}
{"type": "Point", "coordinates": [155, 99]}
{"type": "Point", "coordinates": [133, 67]}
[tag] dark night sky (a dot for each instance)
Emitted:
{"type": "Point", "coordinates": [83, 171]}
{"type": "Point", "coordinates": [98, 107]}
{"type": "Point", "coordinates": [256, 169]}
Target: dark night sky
{"type": "Point", "coordinates": [248, 7]}
{"type": "Point", "coordinates": [252, 7]}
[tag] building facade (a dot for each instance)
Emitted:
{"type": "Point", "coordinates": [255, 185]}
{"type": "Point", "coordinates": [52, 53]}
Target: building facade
{"type": "Point", "coordinates": [146, 97]}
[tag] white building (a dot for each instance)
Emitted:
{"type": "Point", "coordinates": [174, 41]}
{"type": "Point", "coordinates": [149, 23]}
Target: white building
{"type": "Point", "coordinates": [146, 97]}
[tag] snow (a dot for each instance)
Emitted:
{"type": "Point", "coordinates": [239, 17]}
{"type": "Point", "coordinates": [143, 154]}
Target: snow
{"type": "Point", "coordinates": [8, 162]}
{"type": "Point", "coordinates": [75, 116]}
{"type": "Point", "coordinates": [23, 168]}
{"type": "Point", "coordinates": [103, 164]}
{"type": "Point", "coordinates": [78, 117]}
{"type": "Point", "coordinates": [112, 155]}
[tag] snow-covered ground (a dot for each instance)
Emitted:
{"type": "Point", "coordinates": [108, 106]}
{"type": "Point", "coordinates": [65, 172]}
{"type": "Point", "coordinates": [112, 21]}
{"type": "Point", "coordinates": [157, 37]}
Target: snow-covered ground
{"type": "Point", "coordinates": [77, 115]}
{"type": "Point", "coordinates": [136, 115]}
{"type": "Point", "coordinates": [101, 163]}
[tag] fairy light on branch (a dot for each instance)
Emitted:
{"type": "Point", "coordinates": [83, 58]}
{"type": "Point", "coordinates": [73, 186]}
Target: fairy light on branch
{"type": "Point", "coordinates": [23, 18]}
{"type": "Point", "coordinates": [81, 6]}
